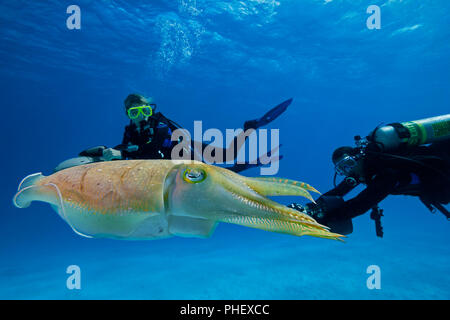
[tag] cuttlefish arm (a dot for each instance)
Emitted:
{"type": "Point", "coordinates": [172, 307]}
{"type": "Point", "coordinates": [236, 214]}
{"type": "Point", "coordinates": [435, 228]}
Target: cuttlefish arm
{"type": "Point", "coordinates": [279, 186]}
{"type": "Point", "coordinates": [149, 199]}
{"type": "Point", "coordinates": [272, 186]}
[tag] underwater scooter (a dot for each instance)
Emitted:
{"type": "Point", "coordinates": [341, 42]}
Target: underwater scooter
{"type": "Point", "coordinates": [91, 155]}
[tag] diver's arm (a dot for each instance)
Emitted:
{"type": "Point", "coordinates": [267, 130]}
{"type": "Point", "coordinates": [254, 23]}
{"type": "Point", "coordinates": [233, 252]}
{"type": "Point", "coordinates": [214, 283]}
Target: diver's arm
{"type": "Point", "coordinates": [124, 150]}
{"type": "Point", "coordinates": [328, 201]}
{"type": "Point", "coordinates": [347, 185]}
{"type": "Point", "coordinates": [377, 190]}
{"type": "Point", "coordinates": [332, 207]}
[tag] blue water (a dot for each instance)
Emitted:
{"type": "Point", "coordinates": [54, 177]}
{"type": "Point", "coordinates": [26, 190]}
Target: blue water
{"type": "Point", "coordinates": [221, 62]}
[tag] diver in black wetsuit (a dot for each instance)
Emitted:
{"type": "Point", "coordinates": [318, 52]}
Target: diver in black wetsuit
{"type": "Point", "coordinates": [148, 136]}
{"type": "Point", "coordinates": [401, 168]}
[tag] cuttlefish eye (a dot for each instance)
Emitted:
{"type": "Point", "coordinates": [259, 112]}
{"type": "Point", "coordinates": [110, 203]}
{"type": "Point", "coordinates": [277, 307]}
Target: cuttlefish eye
{"type": "Point", "coordinates": [194, 175]}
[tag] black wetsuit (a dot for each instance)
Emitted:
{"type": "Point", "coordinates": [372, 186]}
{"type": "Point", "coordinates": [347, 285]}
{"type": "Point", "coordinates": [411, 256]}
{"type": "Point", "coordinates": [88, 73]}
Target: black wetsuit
{"type": "Point", "coordinates": [154, 141]}
{"type": "Point", "coordinates": [423, 171]}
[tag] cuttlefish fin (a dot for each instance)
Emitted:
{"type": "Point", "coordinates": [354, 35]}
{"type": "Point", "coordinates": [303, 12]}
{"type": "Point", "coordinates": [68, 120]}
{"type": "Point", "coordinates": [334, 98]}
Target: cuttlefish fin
{"type": "Point", "coordinates": [30, 189]}
{"type": "Point", "coordinates": [30, 180]}
{"type": "Point", "coordinates": [280, 187]}
{"type": "Point", "coordinates": [188, 226]}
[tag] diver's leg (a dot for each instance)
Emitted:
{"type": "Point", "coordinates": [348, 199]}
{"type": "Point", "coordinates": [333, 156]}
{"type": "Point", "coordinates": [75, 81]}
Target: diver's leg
{"type": "Point", "coordinates": [230, 153]}
{"type": "Point", "coordinates": [251, 125]}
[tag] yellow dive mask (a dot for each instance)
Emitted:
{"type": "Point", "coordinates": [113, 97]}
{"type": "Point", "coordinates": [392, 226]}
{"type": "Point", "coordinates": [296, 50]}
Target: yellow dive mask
{"type": "Point", "coordinates": [146, 111]}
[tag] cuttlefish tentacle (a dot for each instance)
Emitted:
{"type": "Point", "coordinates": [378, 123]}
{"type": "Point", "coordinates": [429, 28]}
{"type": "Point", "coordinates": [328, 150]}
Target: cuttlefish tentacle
{"type": "Point", "coordinates": [272, 186]}
{"type": "Point", "coordinates": [277, 211]}
{"type": "Point", "coordinates": [260, 212]}
{"type": "Point", "coordinates": [256, 189]}
{"type": "Point", "coordinates": [246, 193]}
{"type": "Point", "coordinates": [151, 199]}
{"type": "Point", "coordinates": [270, 215]}
{"type": "Point", "coordinates": [283, 186]}
{"type": "Point", "coordinates": [283, 226]}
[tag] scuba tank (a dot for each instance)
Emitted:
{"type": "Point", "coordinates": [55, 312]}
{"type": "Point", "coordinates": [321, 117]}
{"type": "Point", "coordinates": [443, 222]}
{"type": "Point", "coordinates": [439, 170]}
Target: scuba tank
{"type": "Point", "coordinates": [412, 133]}
{"type": "Point", "coordinates": [386, 140]}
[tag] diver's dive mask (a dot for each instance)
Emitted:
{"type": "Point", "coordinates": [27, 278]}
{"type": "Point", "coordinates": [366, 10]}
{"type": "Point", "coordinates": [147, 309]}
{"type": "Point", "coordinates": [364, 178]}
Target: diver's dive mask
{"type": "Point", "coordinates": [146, 111]}
{"type": "Point", "coordinates": [346, 165]}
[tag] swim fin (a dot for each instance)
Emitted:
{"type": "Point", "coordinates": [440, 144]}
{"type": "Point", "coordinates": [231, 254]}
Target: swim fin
{"type": "Point", "coordinates": [271, 115]}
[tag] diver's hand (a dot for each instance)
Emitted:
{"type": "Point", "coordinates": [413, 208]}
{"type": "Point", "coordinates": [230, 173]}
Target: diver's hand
{"type": "Point", "coordinates": [298, 207]}
{"type": "Point", "coordinates": [111, 154]}
{"type": "Point", "coordinates": [311, 209]}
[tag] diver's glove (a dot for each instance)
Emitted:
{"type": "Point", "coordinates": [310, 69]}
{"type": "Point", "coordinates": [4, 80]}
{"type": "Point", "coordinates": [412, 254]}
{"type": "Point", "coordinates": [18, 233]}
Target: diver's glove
{"type": "Point", "coordinates": [268, 117]}
{"type": "Point", "coordinates": [298, 207]}
{"type": "Point", "coordinates": [324, 212]}
{"type": "Point", "coordinates": [314, 210]}
{"type": "Point", "coordinates": [93, 152]}
{"type": "Point", "coordinates": [111, 154]}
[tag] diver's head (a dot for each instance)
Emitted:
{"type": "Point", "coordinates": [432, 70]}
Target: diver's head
{"type": "Point", "coordinates": [138, 107]}
{"type": "Point", "coordinates": [347, 162]}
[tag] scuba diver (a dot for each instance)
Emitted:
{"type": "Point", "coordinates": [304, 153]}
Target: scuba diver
{"type": "Point", "coordinates": [410, 158]}
{"type": "Point", "coordinates": [149, 133]}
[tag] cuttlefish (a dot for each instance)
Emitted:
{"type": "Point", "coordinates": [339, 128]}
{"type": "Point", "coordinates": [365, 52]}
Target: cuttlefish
{"type": "Point", "coordinates": [151, 199]}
